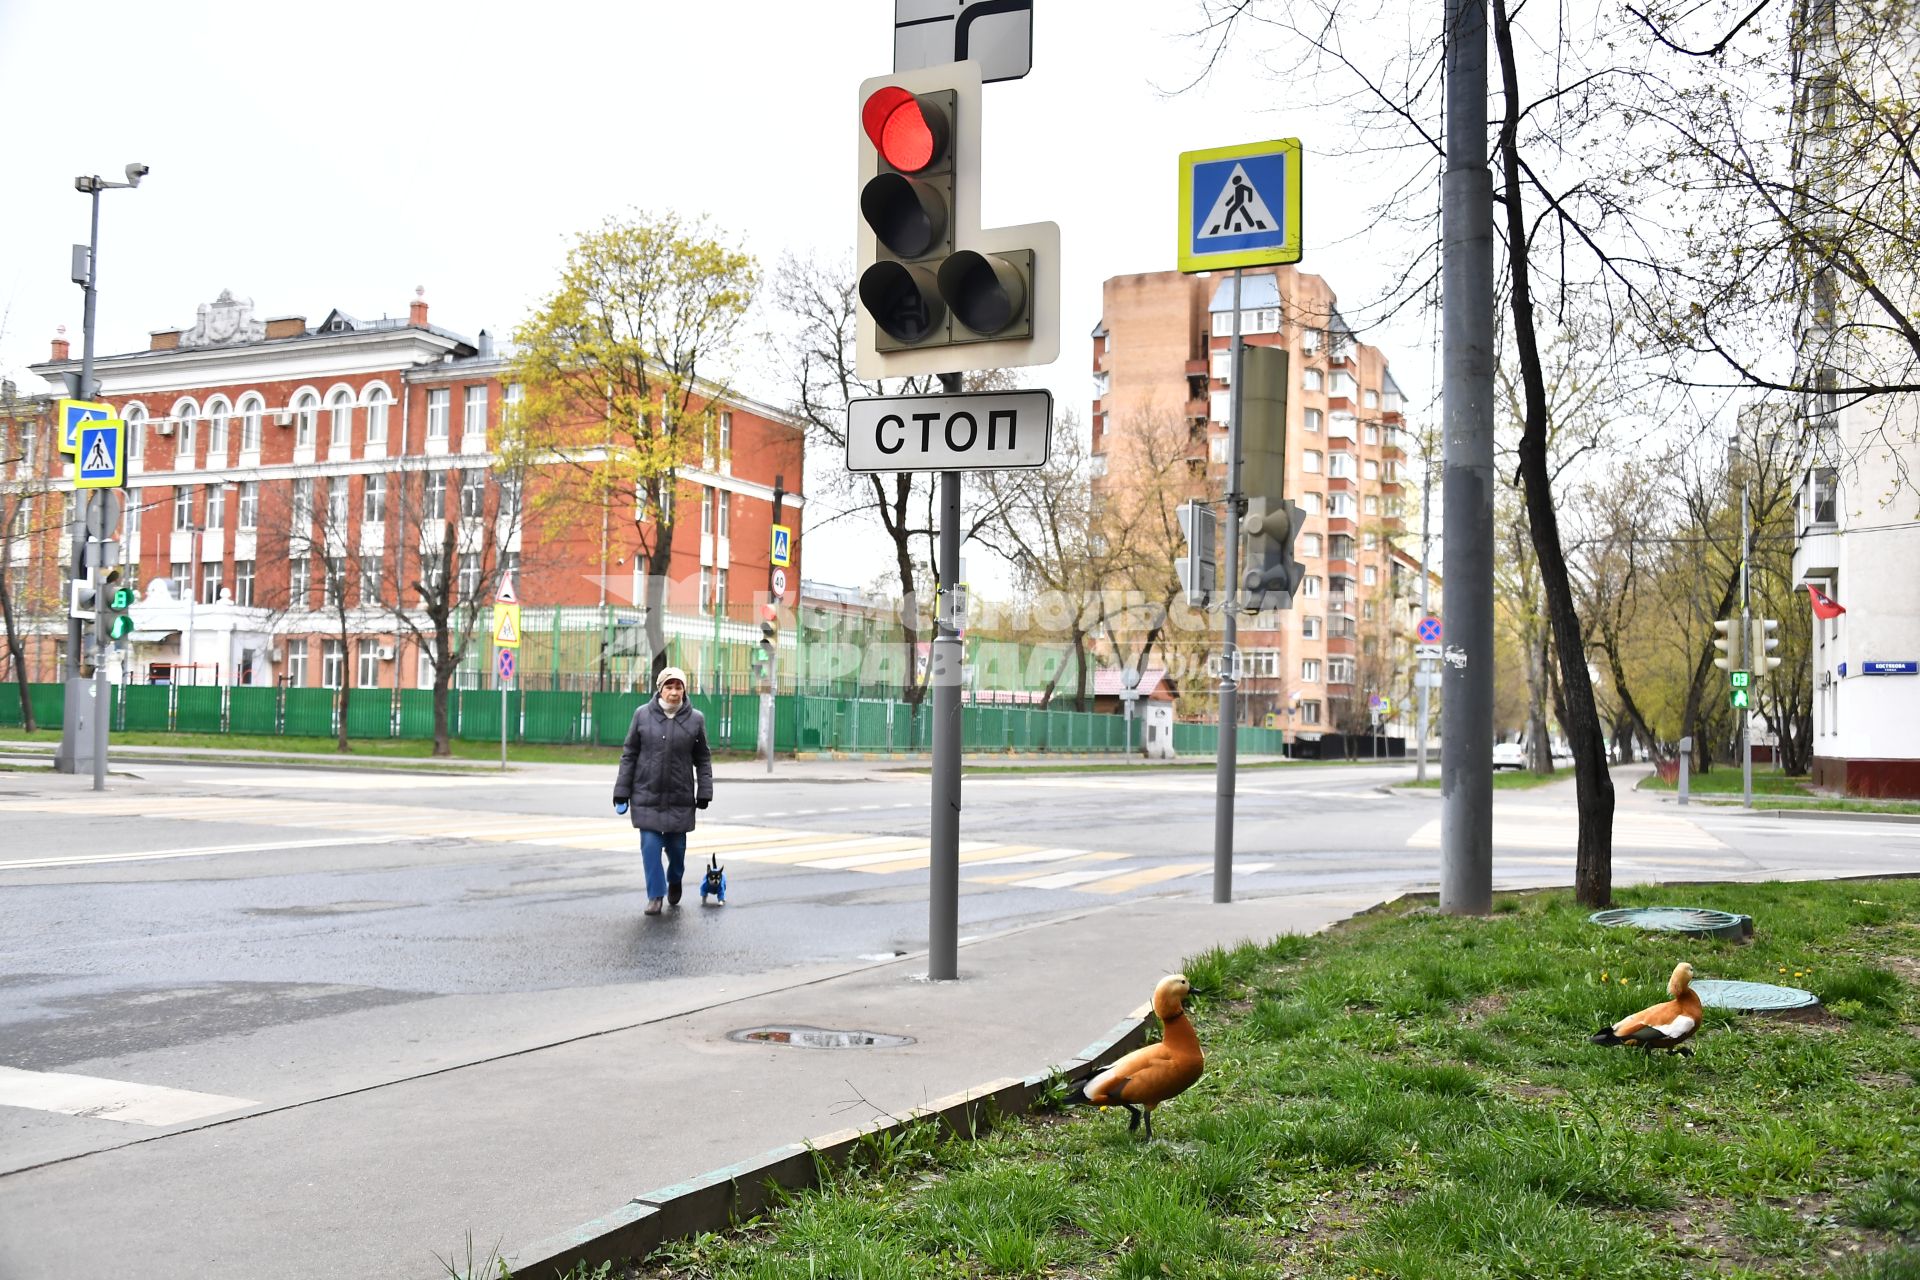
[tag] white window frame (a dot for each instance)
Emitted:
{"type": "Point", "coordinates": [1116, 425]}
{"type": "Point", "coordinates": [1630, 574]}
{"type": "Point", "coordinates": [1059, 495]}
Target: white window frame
{"type": "Point", "coordinates": [297, 663]}
{"type": "Point", "coordinates": [373, 499]}
{"type": "Point", "coordinates": [333, 664]}
{"type": "Point", "coordinates": [1310, 461]}
{"type": "Point", "coordinates": [185, 413]}
{"type": "Point", "coordinates": [379, 401]}
{"type": "Point", "coordinates": [1311, 626]}
{"type": "Point", "coordinates": [367, 664]}
{"type": "Point", "coordinates": [1312, 380]}
{"type": "Point", "coordinates": [1310, 421]}
{"type": "Point", "coordinates": [243, 574]}
{"type": "Point", "coordinates": [473, 418]}
{"type": "Point", "coordinates": [339, 418]}
{"type": "Point", "coordinates": [252, 410]}
{"type": "Point", "coordinates": [135, 416]}
{"type": "Point", "coordinates": [182, 508]}
{"type": "Point", "coordinates": [306, 409]}
{"type": "Point", "coordinates": [1310, 671]}
{"type": "Point", "coordinates": [217, 413]}
{"type": "Point", "coordinates": [439, 412]}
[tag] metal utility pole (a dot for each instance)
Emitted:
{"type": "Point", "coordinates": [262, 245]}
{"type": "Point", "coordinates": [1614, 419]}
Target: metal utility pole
{"type": "Point", "coordinates": [771, 719]}
{"type": "Point", "coordinates": [1746, 644]}
{"type": "Point", "coordinates": [1426, 578]}
{"type": "Point", "coordinates": [85, 273]}
{"type": "Point", "coordinates": [1227, 757]}
{"type": "Point", "coordinates": [943, 877]}
{"type": "Point", "coordinates": [1466, 763]}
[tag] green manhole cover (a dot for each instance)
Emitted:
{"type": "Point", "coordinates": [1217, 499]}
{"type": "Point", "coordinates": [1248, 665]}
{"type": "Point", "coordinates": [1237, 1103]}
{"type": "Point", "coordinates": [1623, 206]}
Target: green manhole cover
{"type": "Point", "coordinates": [1696, 920]}
{"type": "Point", "coordinates": [1752, 997]}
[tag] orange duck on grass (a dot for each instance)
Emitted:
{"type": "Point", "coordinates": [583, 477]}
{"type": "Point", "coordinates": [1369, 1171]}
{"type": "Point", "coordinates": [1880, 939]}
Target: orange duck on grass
{"type": "Point", "coordinates": [1148, 1077]}
{"type": "Point", "coordinates": [1662, 1026]}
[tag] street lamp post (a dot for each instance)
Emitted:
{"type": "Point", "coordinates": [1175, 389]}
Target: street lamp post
{"type": "Point", "coordinates": [82, 387]}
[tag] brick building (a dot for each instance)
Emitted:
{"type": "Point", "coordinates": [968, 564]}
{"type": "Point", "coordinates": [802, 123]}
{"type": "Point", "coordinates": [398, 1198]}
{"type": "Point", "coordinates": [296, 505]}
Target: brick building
{"type": "Point", "coordinates": [282, 472]}
{"type": "Point", "coordinates": [1161, 364]}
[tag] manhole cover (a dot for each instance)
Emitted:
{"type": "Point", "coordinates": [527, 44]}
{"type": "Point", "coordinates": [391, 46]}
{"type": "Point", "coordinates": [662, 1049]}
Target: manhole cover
{"type": "Point", "coordinates": [1752, 997]}
{"type": "Point", "coordinates": [818, 1038]}
{"type": "Point", "coordinates": [1695, 920]}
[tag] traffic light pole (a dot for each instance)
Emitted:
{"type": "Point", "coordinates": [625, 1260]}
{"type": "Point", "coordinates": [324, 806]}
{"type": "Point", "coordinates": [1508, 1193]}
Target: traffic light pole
{"type": "Point", "coordinates": [1753, 662]}
{"type": "Point", "coordinates": [1466, 711]}
{"type": "Point", "coordinates": [1227, 756]}
{"type": "Point", "coordinates": [1426, 579]}
{"type": "Point", "coordinates": [943, 881]}
{"type": "Point", "coordinates": [67, 757]}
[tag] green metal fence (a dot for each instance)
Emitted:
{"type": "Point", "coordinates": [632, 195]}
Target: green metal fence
{"type": "Point", "coordinates": [801, 723]}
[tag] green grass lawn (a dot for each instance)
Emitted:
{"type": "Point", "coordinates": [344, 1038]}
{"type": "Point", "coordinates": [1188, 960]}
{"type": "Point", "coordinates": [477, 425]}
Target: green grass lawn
{"type": "Point", "coordinates": [370, 750]}
{"type": "Point", "coordinates": [1504, 779]}
{"type": "Point", "coordinates": [1774, 790]}
{"type": "Point", "coordinates": [1413, 1096]}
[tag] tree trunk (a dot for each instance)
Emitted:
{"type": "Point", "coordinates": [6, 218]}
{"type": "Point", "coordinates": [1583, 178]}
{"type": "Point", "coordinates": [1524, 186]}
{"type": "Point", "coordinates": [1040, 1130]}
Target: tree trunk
{"type": "Point", "coordinates": [18, 656]}
{"type": "Point", "coordinates": [346, 692]}
{"type": "Point", "coordinates": [659, 564]}
{"type": "Point", "coordinates": [1539, 749]}
{"type": "Point", "coordinates": [1593, 860]}
{"type": "Point", "coordinates": [442, 678]}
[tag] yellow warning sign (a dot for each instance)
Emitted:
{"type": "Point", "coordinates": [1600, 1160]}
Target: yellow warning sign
{"type": "Point", "coordinates": [506, 626]}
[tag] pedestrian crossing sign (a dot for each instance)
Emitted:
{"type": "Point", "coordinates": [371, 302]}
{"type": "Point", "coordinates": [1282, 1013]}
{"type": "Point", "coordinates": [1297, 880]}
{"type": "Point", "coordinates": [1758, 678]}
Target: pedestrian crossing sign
{"type": "Point", "coordinates": [782, 545]}
{"type": "Point", "coordinates": [71, 413]}
{"type": "Point", "coordinates": [100, 457]}
{"type": "Point", "coordinates": [506, 626]}
{"type": "Point", "coordinates": [1240, 206]}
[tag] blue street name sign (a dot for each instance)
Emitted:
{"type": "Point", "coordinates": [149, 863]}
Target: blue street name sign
{"type": "Point", "coordinates": [1909, 667]}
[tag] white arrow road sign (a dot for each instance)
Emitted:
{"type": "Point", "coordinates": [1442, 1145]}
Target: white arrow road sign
{"type": "Point", "coordinates": [978, 431]}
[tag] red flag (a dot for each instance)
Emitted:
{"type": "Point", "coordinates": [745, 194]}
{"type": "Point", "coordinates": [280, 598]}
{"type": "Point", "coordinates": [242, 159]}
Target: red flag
{"type": "Point", "coordinates": [1823, 604]}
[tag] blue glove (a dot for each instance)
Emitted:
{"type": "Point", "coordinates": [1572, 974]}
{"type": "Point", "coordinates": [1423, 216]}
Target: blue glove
{"type": "Point", "coordinates": [701, 804]}
{"type": "Point", "coordinates": [619, 806]}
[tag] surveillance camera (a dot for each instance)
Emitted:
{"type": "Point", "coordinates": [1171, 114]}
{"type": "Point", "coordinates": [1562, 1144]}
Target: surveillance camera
{"type": "Point", "coordinates": [136, 171]}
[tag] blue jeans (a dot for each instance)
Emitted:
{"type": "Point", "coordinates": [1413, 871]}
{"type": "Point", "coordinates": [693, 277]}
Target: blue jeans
{"type": "Point", "coordinates": [675, 845]}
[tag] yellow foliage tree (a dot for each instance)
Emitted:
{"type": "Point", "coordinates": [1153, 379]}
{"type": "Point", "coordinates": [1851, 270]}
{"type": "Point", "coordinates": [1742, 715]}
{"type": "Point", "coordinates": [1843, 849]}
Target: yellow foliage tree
{"type": "Point", "coordinates": [623, 372]}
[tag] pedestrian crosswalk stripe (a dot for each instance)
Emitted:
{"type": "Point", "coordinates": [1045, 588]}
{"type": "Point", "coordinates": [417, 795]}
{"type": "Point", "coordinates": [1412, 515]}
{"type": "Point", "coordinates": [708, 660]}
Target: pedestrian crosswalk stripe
{"type": "Point", "coordinates": [100, 1099]}
{"type": "Point", "coordinates": [1145, 876]}
{"type": "Point", "coordinates": [1536, 827]}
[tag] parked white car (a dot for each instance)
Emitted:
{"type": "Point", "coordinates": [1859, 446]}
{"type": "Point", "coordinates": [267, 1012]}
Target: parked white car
{"type": "Point", "coordinates": [1509, 755]}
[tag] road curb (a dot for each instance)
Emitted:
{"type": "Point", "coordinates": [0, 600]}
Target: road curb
{"type": "Point", "coordinates": [725, 1197]}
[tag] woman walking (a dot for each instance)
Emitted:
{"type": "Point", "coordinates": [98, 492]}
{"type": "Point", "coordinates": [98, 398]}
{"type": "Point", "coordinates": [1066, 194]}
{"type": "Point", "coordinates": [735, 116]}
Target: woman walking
{"type": "Point", "coordinates": [666, 772]}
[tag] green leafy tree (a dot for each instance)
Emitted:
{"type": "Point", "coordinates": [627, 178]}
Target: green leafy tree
{"type": "Point", "coordinates": [623, 368]}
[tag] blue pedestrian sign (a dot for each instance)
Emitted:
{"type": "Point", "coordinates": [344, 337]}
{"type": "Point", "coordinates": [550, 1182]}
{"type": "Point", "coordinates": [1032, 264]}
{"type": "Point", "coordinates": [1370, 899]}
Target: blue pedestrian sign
{"type": "Point", "coordinates": [71, 413]}
{"type": "Point", "coordinates": [100, 461]}
{"type": "Point", "coordinates": [782, 545]}
{"type": "Point", "coordinates": [1240, 206]}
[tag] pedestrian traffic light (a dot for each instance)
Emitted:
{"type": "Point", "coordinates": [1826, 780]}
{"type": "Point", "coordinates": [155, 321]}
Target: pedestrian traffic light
{"type": "Point", "coordinates": [1762, 643]}
{"type": "Point", "coordinates": [1196, 566]}
{"type": "Point", "coordinates": [937, 293]}
{"type": "Point", "coordinates": [1727, 641]}
{"type": "Point", "coordinates": [83, 597]}
{"type": "Point", "coordinates": [112, 605]}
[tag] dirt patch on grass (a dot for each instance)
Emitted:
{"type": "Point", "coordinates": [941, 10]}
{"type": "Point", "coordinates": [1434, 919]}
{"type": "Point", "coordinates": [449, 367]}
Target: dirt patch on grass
{"type": "Point", "coordinates": [1521, 1089]}
{"type": "Point", "coordinates": [1906, 966]}
{"type": "Point", "coordinates": [1480, 1008]}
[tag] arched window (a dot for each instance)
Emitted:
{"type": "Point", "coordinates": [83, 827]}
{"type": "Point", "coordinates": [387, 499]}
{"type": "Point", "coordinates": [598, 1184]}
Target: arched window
{"type": "Point", "coordinates": [341, 405]}
{"type": "Point", "coordinates": [305, 407]}
{"type": "Point", "coordinates": [251, 407]}
{"type": "Point", "coordinates": [377, 402]}
{"type": "Point", "coordinates": [135, 416]}
{"type": "Point", "coordinates": [185, 414]}
{"type": "Point", "coordinates": [218, 411]}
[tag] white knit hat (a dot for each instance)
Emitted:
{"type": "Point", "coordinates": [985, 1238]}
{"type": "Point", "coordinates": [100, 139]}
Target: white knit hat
{"type": "Point", "coordinates": [671, 673]}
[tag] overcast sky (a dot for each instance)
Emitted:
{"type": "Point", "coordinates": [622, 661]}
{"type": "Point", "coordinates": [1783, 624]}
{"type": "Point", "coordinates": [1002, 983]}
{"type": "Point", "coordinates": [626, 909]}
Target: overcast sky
{"type": "Point", "coordinates": [312, 158]}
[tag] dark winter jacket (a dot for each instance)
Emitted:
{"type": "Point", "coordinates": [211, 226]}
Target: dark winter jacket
{"type": "Point", "coordinates": [665, 768]}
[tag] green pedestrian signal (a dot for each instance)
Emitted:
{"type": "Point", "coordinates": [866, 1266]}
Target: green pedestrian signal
{"type": "Point", "coordinates": [1741, 679]}
{"type": "Point", "coordinates": [1739, 699]}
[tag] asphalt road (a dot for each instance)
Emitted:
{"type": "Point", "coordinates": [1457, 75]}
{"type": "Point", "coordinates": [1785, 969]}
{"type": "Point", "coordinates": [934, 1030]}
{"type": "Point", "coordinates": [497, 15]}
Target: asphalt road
{"type": "Point", "coordinates": [206, 940]}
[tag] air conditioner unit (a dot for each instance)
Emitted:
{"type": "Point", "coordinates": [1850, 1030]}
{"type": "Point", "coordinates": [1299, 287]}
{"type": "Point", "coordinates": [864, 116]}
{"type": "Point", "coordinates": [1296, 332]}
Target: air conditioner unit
{"type": "Point", "coordinates": [164, 427]}
{"type": "Point", "coordinates": [283, 418]}
{"type": "Point", "coordinates": [276, 655]}
{"type": "Point", "coordinates": [386, 653]}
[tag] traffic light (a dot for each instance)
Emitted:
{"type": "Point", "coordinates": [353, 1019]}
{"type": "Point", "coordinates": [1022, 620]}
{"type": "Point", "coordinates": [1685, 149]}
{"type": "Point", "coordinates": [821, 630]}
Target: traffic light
{"type": "Point", "coordinates": [83, 597]}
{"type": "Point", "coordinates": [1197, 568]}
{"type": "Point", "coordinates": [937, 293]}
{"type": "Point", "coordinates": [1762, 643]}
{"type": "Point", "coordinates": [1727, 641]}
{"type": "Point", "coordinates": [1272, 574]}
{"type": "Point", "coordinates": [769, 639]}
{"type": "Point", "coordinates": [112, 623]}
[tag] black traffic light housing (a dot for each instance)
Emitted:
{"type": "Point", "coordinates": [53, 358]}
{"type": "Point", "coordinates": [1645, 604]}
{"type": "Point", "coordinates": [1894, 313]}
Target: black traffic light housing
{"type": "Point", "coordinates": [112, 602]}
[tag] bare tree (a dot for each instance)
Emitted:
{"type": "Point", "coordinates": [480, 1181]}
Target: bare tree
{"type": "Point", "coordinates": [310, 526]}
{"type": "Point", "coordinates": [816, 359]}
{"type": "Point", "coordinates": [24, 435]}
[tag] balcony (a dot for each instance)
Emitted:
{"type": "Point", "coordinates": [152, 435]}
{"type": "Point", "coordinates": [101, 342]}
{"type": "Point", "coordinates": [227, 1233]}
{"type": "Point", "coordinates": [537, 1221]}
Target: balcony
{"type": "Point", "coordinates": [1198, 368]}
{"type": "Point", "coordinates": [1340, 646]}
{"type": "Point", "coordinates": [1199, 407]}
{"type": "Point", "coordinates": [1817, 553]}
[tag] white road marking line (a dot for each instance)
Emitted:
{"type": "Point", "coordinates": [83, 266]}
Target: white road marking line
{"type": "Point", "coordinates": [95, 859]}
{"type": "Point", "coordinates": [1038, 855]}
{"type": "Point", "coordinates": [101, 1099]}
{"type": "Point", "coordinates": [1064, 879]}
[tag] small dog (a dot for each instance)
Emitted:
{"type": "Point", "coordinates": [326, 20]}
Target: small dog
{"type": "Point", "coordinates": [714, 882]}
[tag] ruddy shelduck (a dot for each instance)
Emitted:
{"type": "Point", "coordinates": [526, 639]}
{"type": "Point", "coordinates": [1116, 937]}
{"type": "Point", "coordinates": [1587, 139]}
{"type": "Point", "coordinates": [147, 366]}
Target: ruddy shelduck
{"type": "Point", "coordinates": [1663, 1026]}
{"type": "Point", "coordinates": [1148, 1077]}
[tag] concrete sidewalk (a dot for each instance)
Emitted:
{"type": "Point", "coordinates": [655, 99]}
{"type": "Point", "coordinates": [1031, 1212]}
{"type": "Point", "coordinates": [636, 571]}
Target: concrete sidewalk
{"type": "Point", "coordinates": [514, 1150]}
